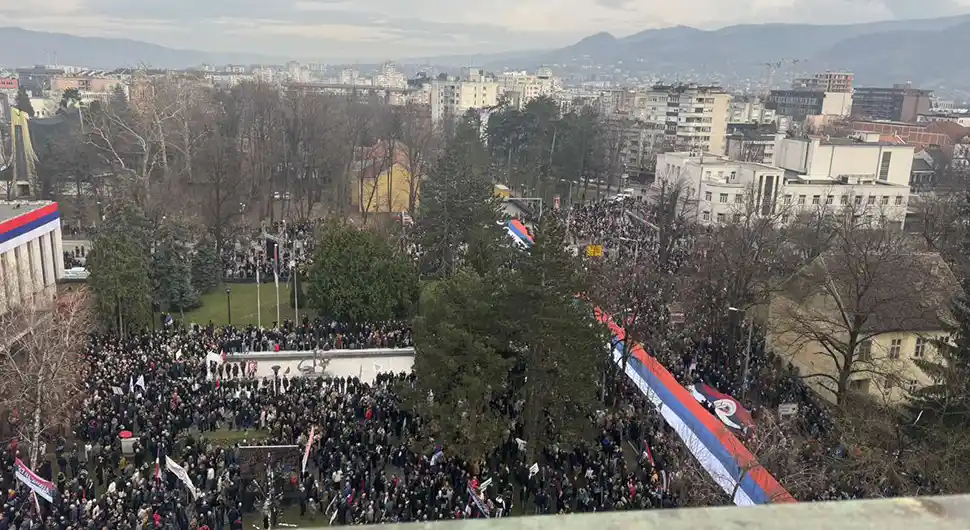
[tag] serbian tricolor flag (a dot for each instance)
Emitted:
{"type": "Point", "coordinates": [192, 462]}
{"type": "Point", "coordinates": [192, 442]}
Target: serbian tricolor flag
{"type": "Point", "coordinates": [649, 453]}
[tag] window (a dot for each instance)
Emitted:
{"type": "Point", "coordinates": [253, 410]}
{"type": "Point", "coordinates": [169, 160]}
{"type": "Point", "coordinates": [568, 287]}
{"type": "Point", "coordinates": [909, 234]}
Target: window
{"type": "Point", "coordinates": [858, 200]}
{"type": "Point", "coordinates": [884, 165]}
{"type": "Point", "coordinates": [737, 218]}
{"type": "Point", "coordinates": [707, 196]}
{"type": "Point", "coordinates": [707, 174]}
{"type": "Point", "coordinates": [895, 346]}
{"type": "Point", "coordinates": [920, 349]}
{"type": "Point", "coordinates": [801, 199]}
{"type": "Point", "coordinates": [843, 200]}
{"type": "Point", "coordinates": [912, 386]}
{"type": "Point", "coordinates": [899, 200]}
{"type": "Point", "coordinates": [885, 200]}
{"type": "Point", "coordinates": [734, 176]}
{"type": "Point", "coordinates": [720, 217]}
{"type": "Point", "coordinates": [869, 219]}
{"type": "Point", "coordinates": [816, 199]}
{"type": "Point", "coordinates": [738, 199]}
{"type": "Point", "coordinates": [784, 217]}
{"type": "Point", "coordinates": [872, 200]}
{"type": "Point", "coordinates": [787, 199]}
{"type": "Point", "coordinates": [865, 350]}
{"type": "Point", "coordinates": [707, 216]}
{"type": "Point", "coordinates": [723, 197]}
{"type": "Point", "coordinates": [830, 199]}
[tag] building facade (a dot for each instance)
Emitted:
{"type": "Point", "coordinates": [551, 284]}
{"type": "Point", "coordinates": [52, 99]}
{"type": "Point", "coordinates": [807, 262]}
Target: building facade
{"type": "Point", "coordinates": [899, 103]}
{"type": "Point", "coordinates": [840, 82]}
{"type": "Point", "coordinates": [692, 116]}
{"type": "Point", "coordinates": [31, 254]}
{"type": "Point", "coordinates": [802, 103]}
{"type": "Point", "coordinates": [452, 98]}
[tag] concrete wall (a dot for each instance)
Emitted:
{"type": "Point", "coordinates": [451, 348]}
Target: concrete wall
{"type": "Point", "coordinates": [365, 364]}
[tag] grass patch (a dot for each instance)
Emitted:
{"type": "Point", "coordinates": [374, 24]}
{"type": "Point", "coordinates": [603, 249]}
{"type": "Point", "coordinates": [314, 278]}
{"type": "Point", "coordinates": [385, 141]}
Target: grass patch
{"type": "Point", "coordinates": [227, 437]}
{"type": "Point", "coordinates": [242, 299]}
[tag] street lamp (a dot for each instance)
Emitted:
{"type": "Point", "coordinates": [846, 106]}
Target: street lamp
{"type": "Point", "coordinates": [229, 304]}
{"type": "Point", "coordinates": [747, 351]}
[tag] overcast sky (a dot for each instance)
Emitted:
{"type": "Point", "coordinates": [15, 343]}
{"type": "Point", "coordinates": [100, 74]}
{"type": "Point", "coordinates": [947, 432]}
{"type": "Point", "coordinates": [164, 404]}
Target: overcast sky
{"type": "Point", "coordinates": [381, 29]}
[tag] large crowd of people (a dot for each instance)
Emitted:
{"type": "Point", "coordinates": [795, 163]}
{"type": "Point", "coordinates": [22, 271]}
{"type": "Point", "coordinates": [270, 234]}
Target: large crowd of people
{"type": "Point", "coordinates": [367, 461]}
{"type": "Point", "coordinates": [268, 251]}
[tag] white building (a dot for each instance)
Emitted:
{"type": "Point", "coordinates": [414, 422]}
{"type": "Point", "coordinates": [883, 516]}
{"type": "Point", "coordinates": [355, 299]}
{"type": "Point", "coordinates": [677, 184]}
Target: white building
{"type": "Point", "coordinates": [693, 116]}
{"type": "Point", "coordinates": [522, 87]}
{"type": "Point", "coordinates": [810, 175]}
{"type": "Point", "coordinates": [749, 109]}
{"type": "Point", "coordinates": [863, 174]}
{"type": "Point", "coordinates": [961, 118]}
{"type": "Point", "coordinates": [390, 77]}
{"type": "Point", "coordinates": [31, 254]}
{"type": "Point", "coordinates": [452, 98]}
{"type": "Point", "coordinates": [722, 187]}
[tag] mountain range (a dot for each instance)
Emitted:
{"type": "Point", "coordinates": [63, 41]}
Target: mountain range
{"type": "Point", "coordinates": [925, 52]}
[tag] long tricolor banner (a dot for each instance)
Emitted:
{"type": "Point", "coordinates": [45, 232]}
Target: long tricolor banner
{"type": "Point", "coordinates": [44, 488]}
{"type": "Point", "coordinates": [29, 226]}
{"type": "Point", "coordinates": [718, 451]}
{"type": "Point", "coordinates": [309, 444]}
{"type": "Point", "coordinates": [721, 454]}
{"type": "Point", "coordinates": [519, 232]}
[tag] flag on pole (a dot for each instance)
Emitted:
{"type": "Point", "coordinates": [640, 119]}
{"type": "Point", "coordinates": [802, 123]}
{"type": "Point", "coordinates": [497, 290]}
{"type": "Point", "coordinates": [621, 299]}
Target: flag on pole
{"type": "Point", "coordinates": [158, 464]}
{"type": "Point", "coordinates": [131, 385]}
{"type": "Point", "coordinates": [141, 382]}
{"type": "Point", "coordinates": [309, 444]}
{"type": "Point", "coordinates": [183, 475]}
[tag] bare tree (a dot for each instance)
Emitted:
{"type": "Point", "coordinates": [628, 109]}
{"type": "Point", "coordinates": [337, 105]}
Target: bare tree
{"type": "Point", "coordinates": [41, 369]}
{"type": "Point", "coordinates": [870, 283]}
{"type": "Point", "coordinates": [420, 143]}
{"type": "Point", "coordinates": [221, 181]}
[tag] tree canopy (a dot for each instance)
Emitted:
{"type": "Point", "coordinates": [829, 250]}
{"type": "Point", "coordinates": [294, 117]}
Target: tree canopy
{"type": "Point", "coordinates": [358, 277]}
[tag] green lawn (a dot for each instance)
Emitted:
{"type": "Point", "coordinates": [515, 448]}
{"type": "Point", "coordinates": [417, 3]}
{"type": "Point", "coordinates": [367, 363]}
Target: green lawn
{"type": "Point", "coordinates": [226, 437]}
{"type": "Point", "coordinates": [243, 301]}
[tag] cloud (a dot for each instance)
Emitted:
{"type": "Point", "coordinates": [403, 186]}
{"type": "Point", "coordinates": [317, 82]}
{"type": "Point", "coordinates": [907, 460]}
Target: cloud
{"type": "Point", "coordinates": [375, 29]}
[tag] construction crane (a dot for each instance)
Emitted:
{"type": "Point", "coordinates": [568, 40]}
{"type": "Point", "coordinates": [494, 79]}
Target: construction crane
{"type": "Point", "coordinates": [773, 66]}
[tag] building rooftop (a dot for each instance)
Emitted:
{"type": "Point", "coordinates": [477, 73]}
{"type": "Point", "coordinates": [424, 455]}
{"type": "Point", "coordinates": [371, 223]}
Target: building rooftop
{"type": "Point", "coordinates": [856, 142]}
{"type": "Point", "coordinates": [12, 209]}
{"type": "Point", "coordinates": [913, 513]}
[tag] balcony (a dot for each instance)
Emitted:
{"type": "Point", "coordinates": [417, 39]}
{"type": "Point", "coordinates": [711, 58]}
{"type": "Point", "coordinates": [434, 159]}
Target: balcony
{"type": "Point", "coordinates": [915, 513]}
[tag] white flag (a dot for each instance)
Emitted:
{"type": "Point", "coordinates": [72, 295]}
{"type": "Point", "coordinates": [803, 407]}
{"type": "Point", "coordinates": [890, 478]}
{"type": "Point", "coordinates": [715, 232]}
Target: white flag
{"type": "Point", "coordinates": [180, 472]}
{"type": "Point", "coordinates": [521, 443]}
{"type": "Point", "coordinates": [378, 368]}
{"type": "Point", "coordinates": [534, 469]}
{"type": "Point", "coordinates": [117, 390]}
{"type": "Point", "coordinates": [141, 382]}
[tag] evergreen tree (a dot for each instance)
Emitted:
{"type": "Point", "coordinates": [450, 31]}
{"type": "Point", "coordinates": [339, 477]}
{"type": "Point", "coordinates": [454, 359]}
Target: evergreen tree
{"type": "Point", "coordinates": [22, 102]}
{"type": "Point", "coordinates": [206, 267]}
{"type": "Point", "coordinates": [172, 270]}
{"type": "Point", "coordinates": [560, 343]}
{"type": "Point", "coordinates": [120, 268]}
{"type": "Point", "coordinates": [462, 360]}
{"type": "Point", "coordinates": [358, 277]}
{"type": "Point", "coordinates": [458, 219]}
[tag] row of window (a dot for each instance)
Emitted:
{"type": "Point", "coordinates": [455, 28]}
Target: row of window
{"type": "Point", "coordinates": [723, 197]}
{"type": "Point", "coordinates": [895, 349]}
{"type": "Point", "coordinates": [844, 200]}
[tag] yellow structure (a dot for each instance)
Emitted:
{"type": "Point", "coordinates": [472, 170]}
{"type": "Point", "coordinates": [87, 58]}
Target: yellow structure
{"type": "Point", "coordinates": [383, 186]}
{"type": "Point", "coordinates": [863, 332]}
{"type": "Point", "coordinates": [502, 191]}
{"type": "Point", "coordinates": [24, 177]}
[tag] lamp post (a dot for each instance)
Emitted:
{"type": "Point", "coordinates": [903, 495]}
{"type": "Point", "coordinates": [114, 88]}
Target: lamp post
{"type": "Point", "coordinates": [747, 353]}
{"type": "Point", "coordinates": [229, 304]}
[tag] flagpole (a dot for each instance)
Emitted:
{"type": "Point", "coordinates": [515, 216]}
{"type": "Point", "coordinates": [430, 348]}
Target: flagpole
{"type": "Point", "coordinates": [276, 278]}
{"type": "Point", "coordinates": [259, 307]}
{"type": "Point", "coordinates": [296, 293]}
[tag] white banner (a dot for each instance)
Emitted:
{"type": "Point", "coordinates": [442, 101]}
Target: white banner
{"type": "Point", "coordinates": [183, 475]}
{"type": "Point", "coordinates": [44, 488]}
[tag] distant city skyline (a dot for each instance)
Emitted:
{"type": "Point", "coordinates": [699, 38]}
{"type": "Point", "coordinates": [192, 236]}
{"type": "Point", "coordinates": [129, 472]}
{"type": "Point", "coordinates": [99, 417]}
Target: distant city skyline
{"type": "Point", "coordinates": [394, 29]}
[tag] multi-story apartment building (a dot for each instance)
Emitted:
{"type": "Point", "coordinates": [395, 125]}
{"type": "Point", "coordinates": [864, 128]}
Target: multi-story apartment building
{"type": "Point", "coordinates": [452, 98]}
{"type": "Point", "coordinates": [521, 87]}
{"type": "Point", "coordinates": [815, 175]}
{"type": "Point", "coordinates": [899, 103]}
{"type": "Point", "coordinates": [639, 146]}
{"type": "Point", "coordinates": [802, 103]}
{"type": "Point", "coordinates": [826, 82]}
{"type": "Point", "coordinates": [749, 109]}
{"type": "Point", "coordinates": [752, 146]}
{"type": "Point", "coordinates": [390, 77]}
{"type": "Point", "coordinates": [692, 116]}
